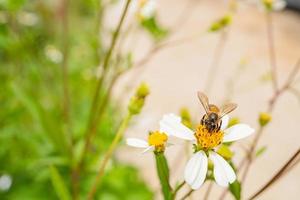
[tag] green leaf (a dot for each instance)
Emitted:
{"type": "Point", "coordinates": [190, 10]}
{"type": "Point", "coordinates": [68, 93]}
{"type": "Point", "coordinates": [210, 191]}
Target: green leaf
{"type": "Point", "coordinates": [260, 151]}
{"type": "Point", "coordinates": [151, 25]}
{"type": "Point", "coordinates": [235, 189]}
{"type": "Point", "coordinates": [163, 174]}
{"type": "Point", "coordinates": [59, 185]}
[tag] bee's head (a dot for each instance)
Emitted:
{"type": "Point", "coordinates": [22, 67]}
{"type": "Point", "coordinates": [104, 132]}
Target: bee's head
{"type": "Point", "coordinates": [213, 116]}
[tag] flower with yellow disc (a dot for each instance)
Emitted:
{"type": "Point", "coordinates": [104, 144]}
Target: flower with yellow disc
{"type": "Point", "coordinates": [205, 144]}
{"type": "Point", "coordinates": [157, 142]}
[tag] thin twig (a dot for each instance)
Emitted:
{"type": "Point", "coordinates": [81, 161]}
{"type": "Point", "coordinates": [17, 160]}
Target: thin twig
{"type": "Point", "coordinates": [247, 161]}
{"type": "Point", "coordinates": [276, 176]}
{"type": "Point", "coordinates": [178, 188]}
{"type": "Point", "coordinates": [273, 64]}
{"type": "Point", "coordinates": [208, 190]}
{"type": "Point", "coordinates": [187, 194]}
{"type": "Point", "coordinates": [270, 108]}
{"type": "Point", "coordinates": [94, 107]}
{"type": "Point", "coordinates": [108, 155]}
{"type": "Point", "coordinates": [66, 90]}
{"type": "Point", "coordinates": [214, 67]}
{"type": "Point", "coordinates": [91, 130]}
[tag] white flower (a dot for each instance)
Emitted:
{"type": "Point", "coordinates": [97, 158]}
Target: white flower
{"type": "Point", "coordinates": [196, 168]}
{"type": "Point", "coordinates": [157, 141]}
{"type": "Point", "coordinates": [275, 5]}
{"type": "Point", "coordinates": [5, 182]}
{"type": "Point", "coordinates": [147, 8]}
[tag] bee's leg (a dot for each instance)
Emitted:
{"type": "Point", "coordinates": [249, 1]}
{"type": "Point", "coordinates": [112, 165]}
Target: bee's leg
{"type": "Point", "coordinates": [202, 120]}
{"type": "Point", "coordinates": [220, 126]}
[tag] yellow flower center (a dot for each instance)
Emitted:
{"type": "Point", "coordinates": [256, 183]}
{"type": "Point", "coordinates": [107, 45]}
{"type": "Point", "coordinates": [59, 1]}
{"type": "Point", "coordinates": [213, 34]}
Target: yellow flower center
{"type": "Point", "coordinates": [158, 140]}
{"type": "Point", "coordinates": [208, 140]}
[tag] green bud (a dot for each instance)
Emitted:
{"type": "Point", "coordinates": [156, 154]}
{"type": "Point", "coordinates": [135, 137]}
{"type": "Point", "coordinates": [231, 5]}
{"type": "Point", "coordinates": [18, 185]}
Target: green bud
{"type": "Point", "coordinates": [215, 27]}
{"type": "Point", "coordinates": [221, 23]}
{"type": "Point", "coordinates": [264, 119]}
{"type": "Point", "coordinates": [225, 152]}
{"type": "Point", "coordinates": [233, 121]}
{"type": "Point", "coordinates": [137, 101]}
{"type": "Point", "coordinates": [186, 117]}
{"type": "Point", "coordinates": [226, 20]}
{"type": "Point", "coordinates": [142, 91]}
{"type": "Point", "coordinates": [268, 4]}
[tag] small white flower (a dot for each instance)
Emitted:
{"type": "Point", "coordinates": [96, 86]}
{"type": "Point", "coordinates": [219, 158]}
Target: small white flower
{"type": "Point", "coordinates": [5, 182]}
{"type": "Point", "coordinates": [53, 54]}
{"type": "Point", "coordinates": [275, 5]}
{"type": "Point", "coordinates": [157, 141]}
{"type": "Point", "coordinates": [147, 8]}
{"type": "Point", "coordinates": [196, 168]}
{"type": "Point", "coordinates": [27, 18]}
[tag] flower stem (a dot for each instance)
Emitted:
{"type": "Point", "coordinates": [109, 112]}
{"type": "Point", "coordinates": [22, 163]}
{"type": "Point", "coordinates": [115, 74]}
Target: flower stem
{"type": "Point", "coordinates": [108, 154]}
{"type": "Point", "coordinates": [163, 174]}
{"type": "Point", "coordinates": [92, 122]}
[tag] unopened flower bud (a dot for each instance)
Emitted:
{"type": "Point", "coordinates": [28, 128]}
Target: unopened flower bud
{"type": "Point", "coordinates": [142, 91]}
{"type": "Point", "coordinates": [137, 101]}
{"type": "Point", "coordinates": [186, 117]}
{"type": "Point", "coordinates": [221, 23]}
{"type": "Point", "coordinates": [264, 118]}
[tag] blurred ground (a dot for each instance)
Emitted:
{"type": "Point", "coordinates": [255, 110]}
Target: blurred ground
{"type": "Point", "coordinates": [176, 73]}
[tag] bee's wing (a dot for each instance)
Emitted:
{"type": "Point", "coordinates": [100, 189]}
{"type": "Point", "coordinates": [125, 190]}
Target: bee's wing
{"type": "Point", "coordinates": [227, 108]}
{"type": "Point", "coordinates": [204, 101]}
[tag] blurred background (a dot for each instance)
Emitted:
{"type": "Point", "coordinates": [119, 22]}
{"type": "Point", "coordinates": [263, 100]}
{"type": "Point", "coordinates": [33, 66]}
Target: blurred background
{"type": "Point", "coordinates": [177, 55]}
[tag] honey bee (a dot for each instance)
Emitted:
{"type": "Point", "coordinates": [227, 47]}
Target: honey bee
{"type": "Point", "coordinates": [212, 119]}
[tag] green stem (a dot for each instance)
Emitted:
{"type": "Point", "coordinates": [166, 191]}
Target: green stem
{"type": "Point", "coordinates": [163, 174]}
{"type": "Point", "coordinates": [90, 131]}
{"type": "Point", "coordinates": [109, 153]}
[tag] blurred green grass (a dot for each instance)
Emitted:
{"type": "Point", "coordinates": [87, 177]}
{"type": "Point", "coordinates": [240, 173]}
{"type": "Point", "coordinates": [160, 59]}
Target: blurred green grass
{"type": "Point", "coordinates": [32, 128]}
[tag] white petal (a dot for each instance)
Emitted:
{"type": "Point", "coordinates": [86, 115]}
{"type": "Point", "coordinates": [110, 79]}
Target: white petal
{"type": "Point", "coordinates": [134, 142]}
{"type": "Point", "coordinates": [149, 148]}
{"type": "Point", "coordinates": [237, 132]}
{"type": "Point", "coordinates": [279, 5]}
{"type": "Point", "coordinates": [225, 122]}
{"type": "Point", "coordinates": [223, 172]}
{"type": "Point", "coordinates": [171, 124]}
{"type": "Point", "coordinates": [196, 169]}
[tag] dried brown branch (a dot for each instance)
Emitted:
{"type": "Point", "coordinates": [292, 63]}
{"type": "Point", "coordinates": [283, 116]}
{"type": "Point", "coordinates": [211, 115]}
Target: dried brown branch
{"type": "Point", "coordinates": [248, 160]}
{"type": "Point", "coordinates": [214, 67]}
{"type": "Point", "coordinates": [187, 194]}
{"type": "Point", "coordinates": [273, 64]}
{"type": "Point", "coordinates": [278, 175]}
{"type": "Point", "coordinates": [208, 190]}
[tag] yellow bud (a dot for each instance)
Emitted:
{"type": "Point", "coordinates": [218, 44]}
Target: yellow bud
{"type": "Point", "coordinates": [264, 118]}
{"type": "Point", "coordinates": [268, 4]}
{"type": "Point", "coordinates": [220, 23]}
{"type": "Point", "coordinates": [142, 91]}
{"type": "Point", "coordinates": [226, 20]}
{"type": "Point", "coordinates": [137, 101]}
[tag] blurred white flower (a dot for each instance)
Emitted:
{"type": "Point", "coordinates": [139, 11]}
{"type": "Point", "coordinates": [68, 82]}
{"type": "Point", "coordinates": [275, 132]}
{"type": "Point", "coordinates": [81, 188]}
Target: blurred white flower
{"type": "Point", "coordinates": [27, 18]}
{"type": "Point", "coordinates": [147, 9]}
{"type": "Point", "coordinates": [5, 182]}
{"type": "Point", "coordinates": [206, 142]}
{"type": "Point", "coordinates": [53, 54]}
{"type": "Point", "coordinates": [157, 141]}
{"type": "Point", "coordinates": [275, 5]}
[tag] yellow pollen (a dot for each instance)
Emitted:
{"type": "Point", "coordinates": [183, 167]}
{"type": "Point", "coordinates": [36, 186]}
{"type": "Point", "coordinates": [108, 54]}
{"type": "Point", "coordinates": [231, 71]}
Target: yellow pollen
{"type": "Point", "coordinates": [157, 139]}
{"type": "Point", "coordinates": [208, 140]}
